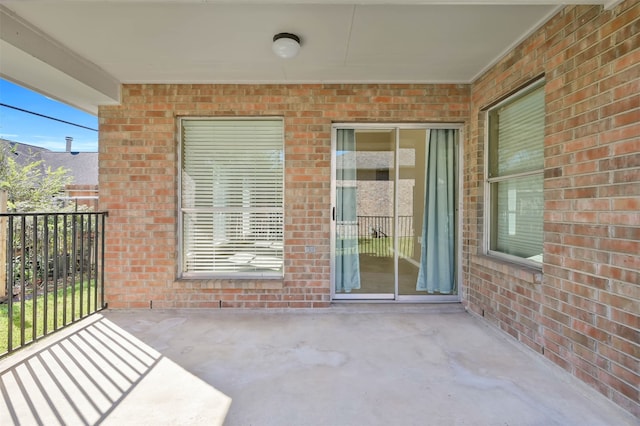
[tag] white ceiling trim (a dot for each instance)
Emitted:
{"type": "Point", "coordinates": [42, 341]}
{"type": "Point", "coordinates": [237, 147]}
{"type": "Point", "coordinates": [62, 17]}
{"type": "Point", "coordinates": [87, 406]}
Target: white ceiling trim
{"type": "Point", "coordinates": [25, 45]}
{"type": "Point", "coordinates": [515, 43]}
{"type": "Point", "coordinates": [608, 5]}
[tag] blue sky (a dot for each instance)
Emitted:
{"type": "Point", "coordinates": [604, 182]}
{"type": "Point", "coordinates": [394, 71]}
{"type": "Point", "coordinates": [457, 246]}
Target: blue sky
{"type": "Point", "coordinates": [26, 128]}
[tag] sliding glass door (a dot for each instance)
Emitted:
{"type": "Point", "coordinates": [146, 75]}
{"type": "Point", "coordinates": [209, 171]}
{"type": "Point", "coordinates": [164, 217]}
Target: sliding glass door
{"type": "Point", "coordinates": [394, 219]}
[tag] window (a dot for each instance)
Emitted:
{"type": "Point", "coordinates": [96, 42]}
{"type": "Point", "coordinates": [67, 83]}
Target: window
{"type": "Point", "coordinates": [515, 176]}
{"type": "Point", "coordinates": [231, 198]}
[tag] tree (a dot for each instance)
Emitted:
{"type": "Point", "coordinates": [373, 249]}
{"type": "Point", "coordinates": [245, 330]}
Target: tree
{"type": "Point", "coordinates": [30, 187]}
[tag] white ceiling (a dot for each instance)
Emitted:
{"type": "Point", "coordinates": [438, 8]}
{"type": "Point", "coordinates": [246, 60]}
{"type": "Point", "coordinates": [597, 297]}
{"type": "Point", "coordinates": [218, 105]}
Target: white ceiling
{"type": "Point", "coordinates": [80, 51]}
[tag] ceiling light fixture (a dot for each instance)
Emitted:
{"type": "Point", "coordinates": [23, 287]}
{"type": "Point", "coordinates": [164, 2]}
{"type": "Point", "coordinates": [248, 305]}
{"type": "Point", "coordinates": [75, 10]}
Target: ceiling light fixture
{"type": "Point", "coordinates": [286, 45]}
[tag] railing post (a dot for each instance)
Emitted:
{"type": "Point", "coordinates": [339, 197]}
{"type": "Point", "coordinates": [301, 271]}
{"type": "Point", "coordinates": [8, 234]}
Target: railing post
{"type": "Point", "coordinates": [4, 282]}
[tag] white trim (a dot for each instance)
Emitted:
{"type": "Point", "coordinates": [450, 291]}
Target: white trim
{"type": "Point", "coordinates": [392, 126]}
{"type": "Point", "coordinates": [608, 5]}
{"type": "Point", "coordinates": [363, 297]}
{"type": "Point", "coordinates": [514, 259]}
{"type": "Point", "coordinates": [179, 231]}
{"type": "Point", "coordinates": [434, 298]}
{"type": "Point", "coordinates": [332, 215]}
{"type": "Point", "coordinates": [396, 209]}
{"type": "Point", "coordinates": [461, 284]}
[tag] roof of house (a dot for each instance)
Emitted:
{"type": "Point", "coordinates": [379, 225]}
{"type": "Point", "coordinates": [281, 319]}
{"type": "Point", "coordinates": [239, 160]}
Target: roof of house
{"type": "Point", "coordinates": [83, 166]}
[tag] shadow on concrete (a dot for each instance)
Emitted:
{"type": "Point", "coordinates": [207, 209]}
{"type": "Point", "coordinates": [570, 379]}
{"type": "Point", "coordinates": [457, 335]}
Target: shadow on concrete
{"type": "Point", "coordinates": [349, 365]}
{"type": "Point", "coordinates": [86, 375]}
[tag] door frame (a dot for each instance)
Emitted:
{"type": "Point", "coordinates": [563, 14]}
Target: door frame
{"type": "Point", "coordinates": [396, 298]}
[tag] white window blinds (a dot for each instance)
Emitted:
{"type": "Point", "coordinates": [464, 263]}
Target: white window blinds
{"type": "Point", "coordinates": [516, 165]}
{"type": "Point", "coordinates": [519, 142]}
{"type": "Point", "coordinates": [232, 197]}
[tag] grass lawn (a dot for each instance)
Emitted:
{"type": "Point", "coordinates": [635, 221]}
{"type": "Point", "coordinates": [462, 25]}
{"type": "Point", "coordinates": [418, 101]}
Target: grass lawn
{"type": "Point", "coordinates": [383, 247]}
{"type": "Point", "coordinates": [65, 301]}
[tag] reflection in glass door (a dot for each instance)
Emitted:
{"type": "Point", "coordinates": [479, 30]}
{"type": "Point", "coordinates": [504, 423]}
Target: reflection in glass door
{"type": "Point", "coordinates": [394, 223]}
{"type": "Point", "coordinates": [365, 194]}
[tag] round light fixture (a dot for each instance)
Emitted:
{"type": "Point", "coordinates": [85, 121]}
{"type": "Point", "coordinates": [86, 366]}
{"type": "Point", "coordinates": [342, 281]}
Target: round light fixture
{"type": "Point", "coordinates": [286, 45]}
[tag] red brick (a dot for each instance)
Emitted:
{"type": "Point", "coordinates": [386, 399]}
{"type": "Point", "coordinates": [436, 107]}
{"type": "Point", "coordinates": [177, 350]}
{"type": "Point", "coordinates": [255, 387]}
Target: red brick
{"type": "Point", "coordinates": [591, 187]}
{"type": "Point", "coordinates": [591, 190]}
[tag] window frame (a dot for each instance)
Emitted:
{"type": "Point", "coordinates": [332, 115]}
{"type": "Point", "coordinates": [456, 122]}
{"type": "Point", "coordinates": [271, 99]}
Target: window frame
{"type": "Point", "coordinates": [491, 200]}
{"type": "Point", "coordinates": [181, 274]}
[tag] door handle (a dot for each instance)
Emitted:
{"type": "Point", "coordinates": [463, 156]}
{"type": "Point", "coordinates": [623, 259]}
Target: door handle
{"type": "Point", "coordinates": [333, 214]}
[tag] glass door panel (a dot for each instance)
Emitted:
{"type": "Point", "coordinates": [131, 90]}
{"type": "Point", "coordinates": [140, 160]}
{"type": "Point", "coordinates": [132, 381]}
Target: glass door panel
{"type": "Point", "coordinates": [427, 196]}
{"type": "Point", "coordinates": [365, 209]}
{"type": "Point", "coordinates": [411, 184]}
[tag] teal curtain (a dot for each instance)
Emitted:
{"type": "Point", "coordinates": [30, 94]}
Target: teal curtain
{"type": "Point", "coordinates": [347, 268]}
{"type": "Point", "coordinates": [437, 261]}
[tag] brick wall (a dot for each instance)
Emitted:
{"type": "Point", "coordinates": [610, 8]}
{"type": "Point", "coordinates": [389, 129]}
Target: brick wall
{"type": "Point", "coordinates": [583, 311]}
{"type": "Point", "coordinates": [138, 182]}
{"type": "Point", "coordinates": [85, 196]}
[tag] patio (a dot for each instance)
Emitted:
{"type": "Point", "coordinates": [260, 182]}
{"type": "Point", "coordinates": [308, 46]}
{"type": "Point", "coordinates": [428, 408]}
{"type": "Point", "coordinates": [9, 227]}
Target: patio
{"type": "Point", "coordinates": [346, 365]}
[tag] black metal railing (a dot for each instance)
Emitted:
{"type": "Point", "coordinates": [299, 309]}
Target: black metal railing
{"type": "Point", "coordinates": [53, 274]}
{"type": "Point", "coordinates": [375, 235]}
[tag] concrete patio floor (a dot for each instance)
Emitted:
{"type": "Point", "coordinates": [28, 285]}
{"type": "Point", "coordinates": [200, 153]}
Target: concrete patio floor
{"type": "Point", "coordinates": [345, 365]}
